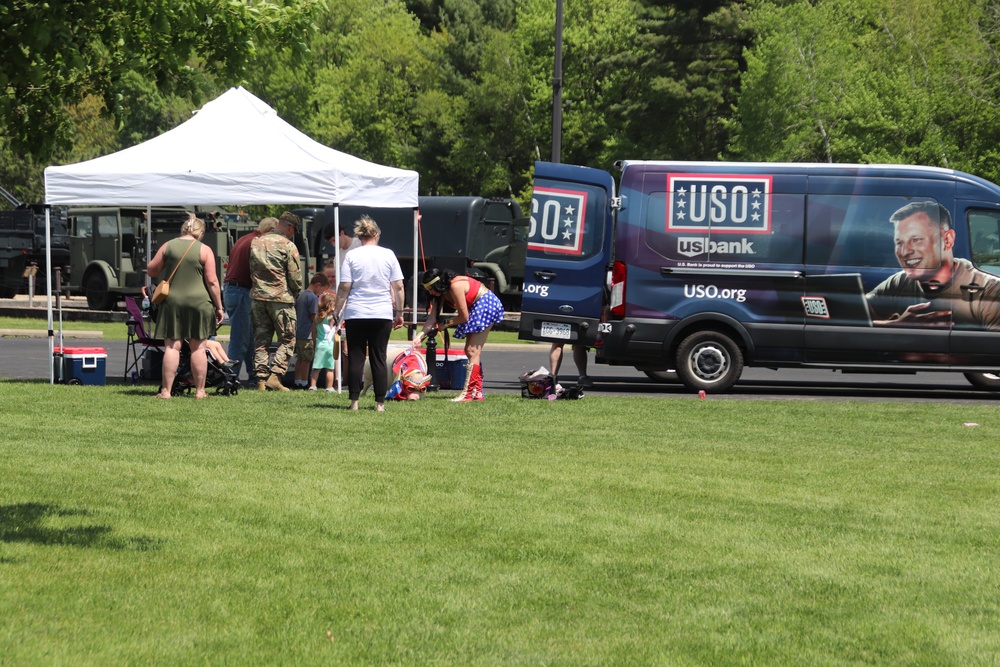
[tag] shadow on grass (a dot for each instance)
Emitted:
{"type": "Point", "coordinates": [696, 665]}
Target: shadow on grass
{"type": "Point", "coordinates": [26, 523]}
{"type": "Point", "coordinates": [111, 381]}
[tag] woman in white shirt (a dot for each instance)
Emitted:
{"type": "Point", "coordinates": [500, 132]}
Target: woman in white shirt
{"type": "Point", "coordinates": [370, 301]}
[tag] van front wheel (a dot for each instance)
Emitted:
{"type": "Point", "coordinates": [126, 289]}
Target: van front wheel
{"type": "Point", "coordinates": [987, 381]}
{"type": "Point", "coordinates": [709, 361]}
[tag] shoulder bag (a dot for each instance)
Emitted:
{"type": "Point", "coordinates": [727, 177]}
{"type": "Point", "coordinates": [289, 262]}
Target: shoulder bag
{"type": "Point", "coordinates": [162, 290]}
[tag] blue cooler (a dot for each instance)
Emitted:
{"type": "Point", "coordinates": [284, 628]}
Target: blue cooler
{"type": "Point", "coordinates": [451, 371]}
{"type": "Point", "coordinates": [83, 365]}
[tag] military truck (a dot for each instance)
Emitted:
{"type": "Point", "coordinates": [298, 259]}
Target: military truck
{"type": "Point", "coordinates": [22, 243]}
{"type": "Point", "coordinates": [107, 247]}
{"type": "Point", "coordinates": [484, 238]}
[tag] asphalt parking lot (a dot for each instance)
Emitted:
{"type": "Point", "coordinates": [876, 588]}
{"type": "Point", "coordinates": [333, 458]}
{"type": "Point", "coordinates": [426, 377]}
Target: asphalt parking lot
{"type": "Point", "coordinates": [27, 358]}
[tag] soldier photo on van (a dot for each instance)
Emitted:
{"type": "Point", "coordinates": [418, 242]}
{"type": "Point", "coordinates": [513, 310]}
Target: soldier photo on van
{"type": "Point", "coordinates": [934, 288]}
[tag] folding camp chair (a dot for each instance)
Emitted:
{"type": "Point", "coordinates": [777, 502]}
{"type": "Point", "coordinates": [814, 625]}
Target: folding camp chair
{"type": "Point", "coordinates": [139, 341]}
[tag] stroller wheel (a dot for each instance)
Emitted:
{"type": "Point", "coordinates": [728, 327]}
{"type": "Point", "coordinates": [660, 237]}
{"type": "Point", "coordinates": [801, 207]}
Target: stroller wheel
{"type": "Point", "coordinates": [227, 388]}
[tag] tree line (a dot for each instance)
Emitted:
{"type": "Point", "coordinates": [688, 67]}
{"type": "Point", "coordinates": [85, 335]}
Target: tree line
{"type": "Point", "coordinates": [461, 90]}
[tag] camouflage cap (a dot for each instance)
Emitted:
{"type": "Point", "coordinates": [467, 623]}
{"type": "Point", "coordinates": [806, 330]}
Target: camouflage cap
{"type": "Point", "coordinates": [291, 219]}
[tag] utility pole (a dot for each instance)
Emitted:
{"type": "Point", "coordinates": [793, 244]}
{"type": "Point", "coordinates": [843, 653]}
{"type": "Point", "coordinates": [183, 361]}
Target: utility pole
{"type": "Point", "coordinates": [557, 83]}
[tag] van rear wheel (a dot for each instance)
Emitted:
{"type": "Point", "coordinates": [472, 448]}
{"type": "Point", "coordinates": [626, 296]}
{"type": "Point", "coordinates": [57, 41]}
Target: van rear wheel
{"type": "Point", "coordinates": [709, 361]}
{"type": "Point", "coordinates": [987, 381]}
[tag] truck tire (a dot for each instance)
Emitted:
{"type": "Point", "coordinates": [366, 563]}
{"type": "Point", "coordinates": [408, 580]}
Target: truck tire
{"type": "Point", "coordinates": [709, 361]}
{"type": "Point", "coordinates": [95, 286]}
{"type": "Point", "coordinates": [10, 283]}
{"type": "Point", "coordinates": [987, 381]}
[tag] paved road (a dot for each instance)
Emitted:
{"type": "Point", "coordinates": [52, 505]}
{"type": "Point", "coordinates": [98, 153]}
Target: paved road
{"type": "Point", "coordinates": [27, 358]}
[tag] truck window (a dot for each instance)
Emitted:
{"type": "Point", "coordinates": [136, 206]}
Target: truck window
{"type": "Point", "coordinates": [567, 221]}
{"type": "Point", "coordinates": [57, 221]}
{"type": "Point", "coordinates": [84, 226]}
{"type": "Point", "coordinates": [132, 236]}
{"type": "Point", "coordinates": [843, 230]}
{"type": "Point", "coordinates": [984, 229]}
{"type": "Point", "coordinates": [107, 226]}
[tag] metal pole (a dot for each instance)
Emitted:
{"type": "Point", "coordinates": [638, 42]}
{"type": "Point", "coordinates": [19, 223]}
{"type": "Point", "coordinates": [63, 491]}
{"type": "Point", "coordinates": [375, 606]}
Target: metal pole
{"type": "Point", "coordinates": [149, 247]}
{"type": "Point", "coordinates": [31, 284]}
{"type": "Point", "coordinates": [416, 267]}
{"type": "Point", "coordinates": [557, 83]}
{"type": "Point", "coordinates": [48, 290]}
{"type": "Point", "coordinates": [339, 375]}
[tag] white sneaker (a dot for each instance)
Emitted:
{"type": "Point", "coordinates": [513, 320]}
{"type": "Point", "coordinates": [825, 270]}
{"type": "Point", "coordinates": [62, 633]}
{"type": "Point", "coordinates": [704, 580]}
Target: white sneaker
{"type": "Point", "coordinates": [330, 389]}
{"type": "Point", "coordinates": [312, 388]}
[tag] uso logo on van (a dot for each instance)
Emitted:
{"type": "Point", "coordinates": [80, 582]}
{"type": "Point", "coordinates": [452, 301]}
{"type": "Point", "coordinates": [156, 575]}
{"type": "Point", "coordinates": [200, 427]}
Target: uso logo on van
{"type": "Point", "coordinates": [726, 204]}
{"type": "Point", "coordinates": [557, 221]}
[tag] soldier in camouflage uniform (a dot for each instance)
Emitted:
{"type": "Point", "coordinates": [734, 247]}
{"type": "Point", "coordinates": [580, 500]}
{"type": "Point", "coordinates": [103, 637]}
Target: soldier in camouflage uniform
{"type": "Point", "coordinates": [276, 277]}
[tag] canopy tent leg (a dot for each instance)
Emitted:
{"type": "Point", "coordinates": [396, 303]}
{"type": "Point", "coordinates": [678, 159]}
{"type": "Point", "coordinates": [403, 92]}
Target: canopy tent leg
{"type": "Point", "coordinates": [48, 288]}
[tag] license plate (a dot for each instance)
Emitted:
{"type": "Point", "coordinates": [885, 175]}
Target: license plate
{"type": "Point", "coordinates": [556, 330]}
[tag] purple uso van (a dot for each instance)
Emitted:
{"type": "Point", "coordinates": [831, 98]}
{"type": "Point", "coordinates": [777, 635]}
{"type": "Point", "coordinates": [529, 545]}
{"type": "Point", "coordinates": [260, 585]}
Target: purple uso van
{"type": "Point", "coordinates": [707, 267]}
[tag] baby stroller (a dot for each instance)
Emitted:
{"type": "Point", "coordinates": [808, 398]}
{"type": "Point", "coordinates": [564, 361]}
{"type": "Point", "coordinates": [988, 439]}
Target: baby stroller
{"type": "Point", "coordinates": [219, 375]}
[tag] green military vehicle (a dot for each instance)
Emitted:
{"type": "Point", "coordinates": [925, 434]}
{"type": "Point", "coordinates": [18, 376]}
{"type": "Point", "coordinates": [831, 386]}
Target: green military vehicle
{"type": "Point", "coordinates": [476, 236]}
{"type": "Point", "coordinates": [22, 243]}
{"type": "Point", "coordinates": [107, 247]}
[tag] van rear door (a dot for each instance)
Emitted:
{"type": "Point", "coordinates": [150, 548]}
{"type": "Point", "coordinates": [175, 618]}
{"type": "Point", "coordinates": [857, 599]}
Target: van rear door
{"type": "Point", "coordinates": [569, 249]}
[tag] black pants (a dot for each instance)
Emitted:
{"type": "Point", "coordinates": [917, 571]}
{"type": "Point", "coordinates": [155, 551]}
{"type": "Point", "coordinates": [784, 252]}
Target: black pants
{"type": "Point", "coordinates": [373, 336]}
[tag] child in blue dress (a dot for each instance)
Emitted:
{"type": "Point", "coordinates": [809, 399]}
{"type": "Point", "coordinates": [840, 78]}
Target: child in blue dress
{"type": "Point", "coordinates": [325, 358]}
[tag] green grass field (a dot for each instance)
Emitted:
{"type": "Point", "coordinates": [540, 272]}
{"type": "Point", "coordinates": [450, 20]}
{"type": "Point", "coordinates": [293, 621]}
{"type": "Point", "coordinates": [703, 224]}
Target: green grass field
{"type": "Point", "coordinates": [269, 529]}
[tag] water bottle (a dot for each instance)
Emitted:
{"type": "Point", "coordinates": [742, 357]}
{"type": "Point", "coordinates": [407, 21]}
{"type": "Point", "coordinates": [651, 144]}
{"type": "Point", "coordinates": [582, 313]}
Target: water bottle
{"type": "Point", "coordinates": [145, 306]}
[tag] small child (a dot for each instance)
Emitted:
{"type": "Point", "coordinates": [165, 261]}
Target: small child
{"type": "Point", "coordinates": [325, 357]}
{"type": "Point", "coordinates": [305, 321]}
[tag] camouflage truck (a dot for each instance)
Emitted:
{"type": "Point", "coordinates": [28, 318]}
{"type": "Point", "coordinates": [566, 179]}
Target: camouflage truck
{"type": "Point", "coordinates": [22, 243]}
{"type": "Point", "coordinates": [107, 247]}
{"type": "Point", "coordinates": [484, 238]}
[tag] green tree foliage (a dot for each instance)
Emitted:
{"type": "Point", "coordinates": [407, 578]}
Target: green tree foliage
{"type": "Point", "coordinates": [93, 135]}
{"type": "Point", "coordinates": [593, 32]}
{"type": "Point", "coordinates": [57, 53]}
{"type": "Point", "coordinates": [461, 90]}
{"type": "Point", "coordinates": [481, 149]}
{"type": "Point", "coordinates": [469, 24]}
{"type": "Point", "coordinates": [682, 78]}
{"type": "Point", "coordinates": [897, 81]}
{"type": "Point", "coordinates": [378, 93]}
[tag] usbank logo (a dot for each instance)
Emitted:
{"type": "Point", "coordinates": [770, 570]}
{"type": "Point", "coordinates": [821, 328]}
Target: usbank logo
{"type": "Point", "coordinates": [692, 246]}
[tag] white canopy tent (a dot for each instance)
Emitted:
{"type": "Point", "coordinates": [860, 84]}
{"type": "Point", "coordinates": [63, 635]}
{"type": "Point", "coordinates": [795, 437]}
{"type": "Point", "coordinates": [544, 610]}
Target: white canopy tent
{"type": "Point", "coordinates": [234, 150]}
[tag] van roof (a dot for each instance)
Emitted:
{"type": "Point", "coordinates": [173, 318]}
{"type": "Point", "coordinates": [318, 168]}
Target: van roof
{"type": "Point", "coordinates": [819, 167]}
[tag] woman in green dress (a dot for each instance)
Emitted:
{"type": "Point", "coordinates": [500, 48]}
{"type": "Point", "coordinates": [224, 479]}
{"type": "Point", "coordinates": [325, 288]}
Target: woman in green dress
{"type": "Point", "coordinates": [193, 308]}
